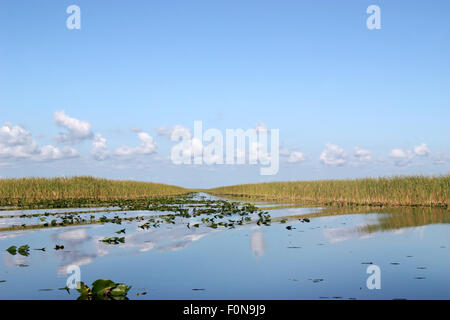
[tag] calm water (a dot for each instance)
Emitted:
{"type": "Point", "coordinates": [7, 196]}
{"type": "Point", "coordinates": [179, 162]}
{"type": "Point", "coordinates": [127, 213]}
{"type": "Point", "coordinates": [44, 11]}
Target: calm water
{"type": "Point", "coordinates": [326, 258]}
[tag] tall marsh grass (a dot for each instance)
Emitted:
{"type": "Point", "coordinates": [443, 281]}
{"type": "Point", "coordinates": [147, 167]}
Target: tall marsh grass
{"type": "Point", "coordinates": [34, 190]}
{"type": "Point", "coordinates": [393, 191]}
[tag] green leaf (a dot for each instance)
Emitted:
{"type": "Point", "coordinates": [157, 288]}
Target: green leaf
{"type": "Point", "coordinates": [84, 289]}
{"type": "Point", "coordinates": [102, 286]}
{"type": "Point", "coordinates": [12, 250]}
{"type": "Point", "coordinates": [120, 289]}
{"type": "Point", "coordinates": [24, 250]}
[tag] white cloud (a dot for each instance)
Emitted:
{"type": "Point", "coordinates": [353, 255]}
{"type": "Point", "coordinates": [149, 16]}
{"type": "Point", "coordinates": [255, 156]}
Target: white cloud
{"type": "Point", "coordinates": [188, 148]}
{"type": "Point", "coordinates": [14, 135]}
{"type": "Point", "coordinates": [398, 154]}
{"type": "Point", "coordinates": [296, 156]}
{"type": "Point", "coordinates": [284, 152]}
{"type": "Point", "coordinates": [421, 150]}
{"type": "Point", "coordinates": [78, 130]}
{"type": "Point", "coordinates": [147, 146]}
{"type": "Point", "coordinates": [19, 152]}
{"type": "Point", "coordinates": [440, 158]}
{"type": "Point", "coordinates": [179, 130]}
{"type": "Point", "coordinates": [401, 157]}
{"type": "Point", "coordinates": [258, 152]}
{"type": "Point", "coordinates": [99, 150]}
{"type": "Point", "coordinates": [293, 157]}
{"type": "Point", "coordinates": [362, 154]}
{"type": "Point", "coordinates": [17, 143]}
{"type": "Point", "coordinates": [333, 155]}
{"type": "Point", "coordinates": [50, 152]}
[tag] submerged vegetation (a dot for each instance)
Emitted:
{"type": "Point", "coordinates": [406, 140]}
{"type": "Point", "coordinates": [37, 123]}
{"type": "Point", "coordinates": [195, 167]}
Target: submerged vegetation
{"type": "Point", "coordinates": [394, 191]}
{"type": "Point", "coordinates": [77, 191]}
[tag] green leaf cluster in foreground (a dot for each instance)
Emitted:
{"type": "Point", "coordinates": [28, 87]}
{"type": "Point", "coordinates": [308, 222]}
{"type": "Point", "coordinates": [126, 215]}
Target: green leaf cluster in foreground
{"type": "Point", "coordinates": [103, 289]}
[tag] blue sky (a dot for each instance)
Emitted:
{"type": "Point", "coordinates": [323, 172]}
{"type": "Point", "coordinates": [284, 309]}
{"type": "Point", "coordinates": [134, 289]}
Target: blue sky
{"type": "Point", "coordinates": [311, 69]}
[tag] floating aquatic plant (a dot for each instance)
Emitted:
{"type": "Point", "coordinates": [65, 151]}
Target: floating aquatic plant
{"type": "Point", "coordinates": [12, 250]}
{"type": "Point", "coordinates": [103, 289]}
{"type": "Point", "coordinates": [113, 240]}
{"type": "Point", "coordinates": [22, 250]}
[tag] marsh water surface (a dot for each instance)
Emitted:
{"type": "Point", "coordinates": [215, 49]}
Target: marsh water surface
{"type": "Point", "coordinates": [303, 253]}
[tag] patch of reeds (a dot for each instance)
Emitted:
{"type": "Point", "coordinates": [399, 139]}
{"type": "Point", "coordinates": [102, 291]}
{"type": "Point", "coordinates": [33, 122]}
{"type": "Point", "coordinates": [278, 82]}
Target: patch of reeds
{"type": "Point", "coordinates": [391, 191]}
{"type": "Point", "coordinates": [24, 191]}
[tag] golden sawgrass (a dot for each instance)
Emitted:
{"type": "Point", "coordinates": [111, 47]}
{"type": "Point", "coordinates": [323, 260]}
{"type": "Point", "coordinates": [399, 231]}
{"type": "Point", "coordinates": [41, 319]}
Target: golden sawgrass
{"type": "Point", "coordinates": [32, 190]}
{"type": "Point", "coordinates": [392, 191]}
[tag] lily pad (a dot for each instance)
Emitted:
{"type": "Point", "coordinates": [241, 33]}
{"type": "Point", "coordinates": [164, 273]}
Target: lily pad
{"type": "Point", "coordinates": [24, 250]}
{"type": "Point", "coordinates": [12, 250]}
{"type": "Point", "coordinates": [84, 289]}
{"type": "Point", "coordinates": [120, 289]}
{"type": "Point", "coordinates": [102, 287]}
